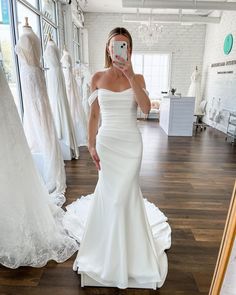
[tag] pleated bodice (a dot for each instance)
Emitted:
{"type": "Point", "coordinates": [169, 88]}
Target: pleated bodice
{"type": "Point", "coordinates": [118, 109]}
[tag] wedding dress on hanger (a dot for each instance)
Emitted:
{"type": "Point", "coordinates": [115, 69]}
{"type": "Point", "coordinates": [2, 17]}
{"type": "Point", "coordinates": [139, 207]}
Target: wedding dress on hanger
{"type": "Point", "coordinates": [58, 98]}
{"type": "Point", "coordinates": [79, 81]}
{"type": "Point", "coordinates": [75, 103]}
{"type": "Point", "coordinates": [38, 120]}
{"type": "Point", "coordinates": [122, 236]}
{"type": "Point", "coordinates": [195, 91]}
{"type": "Point", "coordinates": [31, 227]}
{"type": "Point", "coordinates": [86, 89]}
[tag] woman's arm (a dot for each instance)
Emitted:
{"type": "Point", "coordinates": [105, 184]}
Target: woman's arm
{"type": "Point", "coordinates": [137, 83]}
{"type": "Point", "coordinates": [93, 124]}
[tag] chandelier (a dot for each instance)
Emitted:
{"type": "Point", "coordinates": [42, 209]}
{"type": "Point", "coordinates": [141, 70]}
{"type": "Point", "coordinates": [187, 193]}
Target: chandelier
{"type": "Point", "coordinates": [149, 32]}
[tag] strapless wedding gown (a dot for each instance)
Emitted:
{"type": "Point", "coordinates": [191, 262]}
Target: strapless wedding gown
{"type": "Point", "coordinates": [122, 235]}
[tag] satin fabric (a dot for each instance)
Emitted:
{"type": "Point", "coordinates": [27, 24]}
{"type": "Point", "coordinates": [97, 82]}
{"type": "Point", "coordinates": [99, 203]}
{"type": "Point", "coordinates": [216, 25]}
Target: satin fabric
{"type": "Point", "coordinates": [122, 235]}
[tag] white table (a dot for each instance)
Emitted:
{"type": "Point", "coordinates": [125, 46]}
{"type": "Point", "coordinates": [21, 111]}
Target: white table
{"type": "Point", "coordinates": [177, 115]}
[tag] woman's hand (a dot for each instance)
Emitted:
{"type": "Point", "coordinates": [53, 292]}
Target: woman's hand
{"type": "Point", "coordinates": [125, 66]}
{"type": "Point", "coordinates": [95, 157]}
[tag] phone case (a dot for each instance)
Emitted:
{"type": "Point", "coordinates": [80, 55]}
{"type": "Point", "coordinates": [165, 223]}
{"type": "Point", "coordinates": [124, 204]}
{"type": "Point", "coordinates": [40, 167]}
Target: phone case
{"type": "Point", "coordinates": [120, 48]}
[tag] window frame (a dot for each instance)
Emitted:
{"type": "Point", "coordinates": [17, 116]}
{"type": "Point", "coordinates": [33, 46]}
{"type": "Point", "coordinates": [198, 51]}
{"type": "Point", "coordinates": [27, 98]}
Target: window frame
{"type": "Point", "coordinates": [152, 52]}
{"type": "Point", "coordinates": [13, 12]}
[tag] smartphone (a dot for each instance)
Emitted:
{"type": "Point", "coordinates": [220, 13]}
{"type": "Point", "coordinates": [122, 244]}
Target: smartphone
{"type": "Point", "coordinates": [120, 48]}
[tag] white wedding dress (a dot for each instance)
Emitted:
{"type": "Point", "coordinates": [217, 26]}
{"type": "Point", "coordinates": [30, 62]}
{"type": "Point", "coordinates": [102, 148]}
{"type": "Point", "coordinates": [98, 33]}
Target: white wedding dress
{"type": "Point", "coordinates": [74, 99]}
{"type": "Point", "coordinates": [86, 94]}
{"type": "Point", "coordinates": [58, 99]}
{"type": "Point", "coordinates": [31, 227]}
{"type": "Point", "coordinates": [79, 77]}
{"type": "Point", "coordinates": [122, 236]}
{"type": "Point", "coordinates": [195, 91]}
{"type": "Point", "coordinates": [38, 121]}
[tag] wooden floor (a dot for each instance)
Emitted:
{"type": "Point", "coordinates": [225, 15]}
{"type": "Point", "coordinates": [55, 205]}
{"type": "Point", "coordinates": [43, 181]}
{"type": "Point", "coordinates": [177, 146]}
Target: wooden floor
{"type": "Point", "coordinates": [190, 180]}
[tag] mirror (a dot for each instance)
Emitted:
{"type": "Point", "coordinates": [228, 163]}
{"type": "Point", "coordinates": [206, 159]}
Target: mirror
{"type": "Point", "coordinates": [222, 278]}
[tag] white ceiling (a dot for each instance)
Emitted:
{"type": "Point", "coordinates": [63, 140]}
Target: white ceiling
{"type": "Point", "coordinates": [115, 6]}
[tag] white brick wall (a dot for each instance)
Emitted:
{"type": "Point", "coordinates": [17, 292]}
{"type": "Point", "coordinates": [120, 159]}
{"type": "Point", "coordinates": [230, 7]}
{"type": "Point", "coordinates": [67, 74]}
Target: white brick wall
{"type": "Point", "coordinates": [219, 85]}
{"type": "Point", "coordinates": [186, 43]}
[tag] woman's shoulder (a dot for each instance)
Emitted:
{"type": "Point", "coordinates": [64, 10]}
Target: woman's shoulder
{"type": "Point", "coordinates": [97, 76]}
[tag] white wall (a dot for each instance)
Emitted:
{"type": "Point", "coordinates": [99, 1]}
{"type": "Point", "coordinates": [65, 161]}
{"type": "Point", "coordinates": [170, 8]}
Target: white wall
{"type": "Point", "coordinates": [186, 43]}
{"type": "Point", "coordinates": [219, 85]}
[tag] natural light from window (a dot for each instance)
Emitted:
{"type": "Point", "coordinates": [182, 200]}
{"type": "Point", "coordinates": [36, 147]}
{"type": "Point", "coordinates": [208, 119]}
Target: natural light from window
{"type": "Point", "coordinates": [155, 67]}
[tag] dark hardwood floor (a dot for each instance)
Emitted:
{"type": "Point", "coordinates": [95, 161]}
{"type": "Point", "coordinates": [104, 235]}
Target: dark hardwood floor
{"type": "Point", "coordinates": [190, 179]}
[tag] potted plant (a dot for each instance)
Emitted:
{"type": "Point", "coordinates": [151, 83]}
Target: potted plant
{"type": "Point", "coordinates": [173, 91]}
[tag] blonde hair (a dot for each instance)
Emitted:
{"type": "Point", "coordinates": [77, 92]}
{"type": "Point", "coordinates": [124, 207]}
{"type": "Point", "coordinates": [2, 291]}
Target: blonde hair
{"type": "Point", "coordinates": [114, 32]}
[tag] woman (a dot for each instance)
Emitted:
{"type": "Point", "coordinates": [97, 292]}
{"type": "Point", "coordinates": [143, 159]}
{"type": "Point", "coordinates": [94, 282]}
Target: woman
{"type": "Point", "coordinates": [122, 236]}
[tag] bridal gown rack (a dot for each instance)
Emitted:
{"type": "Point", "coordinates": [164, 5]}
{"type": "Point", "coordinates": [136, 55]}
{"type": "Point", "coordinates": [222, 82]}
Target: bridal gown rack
{"type": "Point", "coordinates": [76, 107]}
{"type": "Point", "coordinates": [38, 121]}
{"type": "Point", "coordinates": [59, 102]}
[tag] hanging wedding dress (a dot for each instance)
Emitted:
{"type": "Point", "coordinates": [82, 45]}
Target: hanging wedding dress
{"type": "Point", "coordinates": [58, 98]}
{"type": "Point", "coordinates": [86, 89]}
{"type": "Point", "coordinates": [75, 103]}
{"type": "Point", "coordinates": [30, 226]}
{"type": "Point", "coordinates": [79, 80]}
{"type": "Point", "coordinates": [195, 91]}
{"type": "Point", "coordinates": [38, 120]}
{"type": "Point", "coordinates": [122, 236]}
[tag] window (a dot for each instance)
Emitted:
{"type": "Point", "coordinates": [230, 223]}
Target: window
{"type": "Point", "coordinates": [7, 59]}
{"type": "Point", "coordinates": [49, 9]}
{"type": "Point", "coordinates": [155, 67]}
{"type": "Point", "coordinates": [42, 17]}
{"type": "Point", "coordinates": [48, 28]}
{"type": "Point", "coordinates": [33, 18]}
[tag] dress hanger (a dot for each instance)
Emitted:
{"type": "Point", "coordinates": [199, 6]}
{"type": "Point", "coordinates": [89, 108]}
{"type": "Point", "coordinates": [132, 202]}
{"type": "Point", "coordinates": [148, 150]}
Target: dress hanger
{"type": "Point", "coordinates": [26, 25]}
{"type": "Point", "coordinates": [50, 37]}
{"type": "Point", "coordinates": [64, 48]}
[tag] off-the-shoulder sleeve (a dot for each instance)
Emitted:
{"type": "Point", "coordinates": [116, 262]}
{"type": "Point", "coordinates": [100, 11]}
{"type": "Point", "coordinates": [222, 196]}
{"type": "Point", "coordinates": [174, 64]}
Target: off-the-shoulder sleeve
{"type": "Point", "coordinates": [145, 90]}
{"type": "Point", "coordinates": [92, 97]}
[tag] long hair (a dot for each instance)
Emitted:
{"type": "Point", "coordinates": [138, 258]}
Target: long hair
{"type": "Point", "coordinates": [114, 32]}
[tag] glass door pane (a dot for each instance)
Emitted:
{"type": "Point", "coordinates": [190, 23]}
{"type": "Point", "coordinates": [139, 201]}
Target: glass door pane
{"type": "Point", "coordinates": [49, 9]}
{"type": "Point", "coordinates": [7, 61]}
{"type": "Point", "coordinates": [33, 18]}
{"type": "Point", "coordinates": [48, 28]}
{"type": "Point", "coordinates": [34, 3]}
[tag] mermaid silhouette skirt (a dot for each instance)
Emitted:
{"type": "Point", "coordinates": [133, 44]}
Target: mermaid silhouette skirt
{"type": "Point", "coordinates": [122, 236]}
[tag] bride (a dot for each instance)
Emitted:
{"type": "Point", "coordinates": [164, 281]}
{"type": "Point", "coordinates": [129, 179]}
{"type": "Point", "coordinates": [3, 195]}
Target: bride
{"type": "Point", "coordinates": [122, 236]}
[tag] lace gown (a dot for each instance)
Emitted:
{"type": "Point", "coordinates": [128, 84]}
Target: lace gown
{"type": "Point", "coordinates": [122, 236]}
{"type": "Point", "coordinates": [31, 228]}
{"type": "Point", "coordinates": [75, 102]}
{"type": "Point", "coordinates": [38, 120]}
{"type": "Point", "coordinates": [58, 99]}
